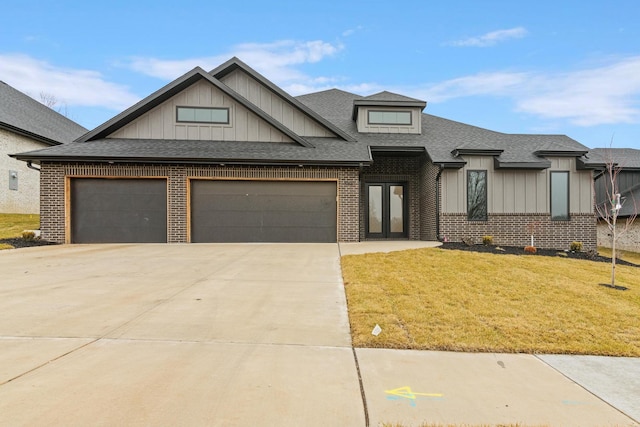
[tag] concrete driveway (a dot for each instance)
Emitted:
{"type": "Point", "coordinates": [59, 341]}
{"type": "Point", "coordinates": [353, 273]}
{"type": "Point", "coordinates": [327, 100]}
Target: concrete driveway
{"type": "Point", "coordinates": [237, 335]}
{"type": "Point", "coordinates": [175, 335]}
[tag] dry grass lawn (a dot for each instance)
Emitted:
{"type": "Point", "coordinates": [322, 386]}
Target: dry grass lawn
{"type": "Point", "coordinates": [464, 301]}
{"type": "Point", "coordinates": [12, 225]}
{"type": "Point", "coordinates": [633, 257]}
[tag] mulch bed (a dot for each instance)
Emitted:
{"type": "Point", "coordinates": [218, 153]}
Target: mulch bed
{"type": "Point", "coordinates": [515, 250]}
{"type": "Point", "coordinates": [19, 242]}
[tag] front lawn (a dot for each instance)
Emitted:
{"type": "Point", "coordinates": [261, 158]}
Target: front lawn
{"type": "Point", "coordinates": [633, 257]}
{"type": "Point", "coordinates": [438, 299]}
{"type": "Point", "coordinates": [12, 226]}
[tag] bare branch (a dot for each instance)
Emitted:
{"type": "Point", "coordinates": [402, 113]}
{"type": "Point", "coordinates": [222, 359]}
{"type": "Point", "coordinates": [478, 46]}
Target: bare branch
{"type": "Point", "coordinates": [609, 206]}
{"type": "Point", "coordinates": [48, 99]}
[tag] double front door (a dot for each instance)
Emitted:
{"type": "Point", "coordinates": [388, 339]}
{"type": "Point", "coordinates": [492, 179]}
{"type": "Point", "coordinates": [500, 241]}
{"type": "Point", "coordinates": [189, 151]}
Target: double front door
{"type": "Point", "coordinates": [386, 214]}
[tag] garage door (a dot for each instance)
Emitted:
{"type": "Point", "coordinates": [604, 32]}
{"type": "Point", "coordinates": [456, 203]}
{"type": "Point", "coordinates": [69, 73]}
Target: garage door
{"type": "Point", "coordinates": [118, 210]}
{"type": "Point", "coordinates": [263, 211]}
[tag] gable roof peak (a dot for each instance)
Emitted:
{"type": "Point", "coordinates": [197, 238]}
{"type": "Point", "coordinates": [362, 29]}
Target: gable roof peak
{"type": "Point", "coordinates": [331, 91]}
{"type": "Point", "coordinates": [236, 63]}
{"type": "Point", "coordinates": [386, 99]}
{"type": "Point", "coordinates": [391, 96]}
{"type": "Point", "coordinates": [173, 88]}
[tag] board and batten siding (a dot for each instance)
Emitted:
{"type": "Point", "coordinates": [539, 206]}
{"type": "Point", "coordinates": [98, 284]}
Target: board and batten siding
{"type": "Point", "coordinates": [517, 191]}
{"type": "Point", "coordinates": [274, 105]}
{"type": "Point", "coordinates": [365, 127]}
{"type": "Point", "coordinates": [160, 122]}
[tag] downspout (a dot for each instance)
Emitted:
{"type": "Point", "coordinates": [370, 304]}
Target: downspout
{"type": "Point", "coordinates": [440, 169]}
{"type": "Point", "coordinates": [30, 166]}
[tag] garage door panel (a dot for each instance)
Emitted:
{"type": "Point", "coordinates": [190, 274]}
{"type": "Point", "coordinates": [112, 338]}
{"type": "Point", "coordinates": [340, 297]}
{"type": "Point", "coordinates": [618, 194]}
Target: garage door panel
{"type": "Point", "coordinates": [258, 234]}
{"type": "Point", "coordinates": [263, 211]}
{"type": "Point", "coordinates": [273, 219]}
{"type": "Point", "coordinates": [118, 210]}
{"type": "Point", "coordinates": [270, 202]}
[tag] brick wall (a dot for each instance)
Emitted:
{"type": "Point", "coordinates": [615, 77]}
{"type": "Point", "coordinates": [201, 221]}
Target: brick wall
{"type": "Point", "coordinates": [401, 170]}
{"type": "Point", "coordinates": [512, 230]}
{"type": "Point", "coordinates": [428, 200]}
{"type": "Point", "coordinates": [52, 195]}
{"type": "Point", "coordinates": [52, 217]}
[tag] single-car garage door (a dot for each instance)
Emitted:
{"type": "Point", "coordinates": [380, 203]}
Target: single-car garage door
{"type": "Point", "coordinates": [263, 211]}
{"type": "Point", "coordinates": [118, 210]}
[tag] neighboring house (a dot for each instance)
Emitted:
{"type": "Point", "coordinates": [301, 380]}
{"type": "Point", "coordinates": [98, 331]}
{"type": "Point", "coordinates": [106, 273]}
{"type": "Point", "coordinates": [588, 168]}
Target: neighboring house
{"type": "Point", "coordinates": [627, 162]}
{"type": "Point", "coordinates": [26, 124]}
{"type": "Point", "coordinates": [228, 156]}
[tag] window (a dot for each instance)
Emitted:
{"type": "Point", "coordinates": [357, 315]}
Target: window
{"type": "Point", "coordinates": [560, 196]}
{"type": "Point", "coordinates": [477, 195]}
{"type": "Point", "coordinates": [389, 117]}
{"type": "Point", "coordinates": [202, 115]}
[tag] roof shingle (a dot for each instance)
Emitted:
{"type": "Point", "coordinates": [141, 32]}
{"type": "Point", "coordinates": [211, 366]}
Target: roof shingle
{"type": "Point", "coordinates": [21, 113]}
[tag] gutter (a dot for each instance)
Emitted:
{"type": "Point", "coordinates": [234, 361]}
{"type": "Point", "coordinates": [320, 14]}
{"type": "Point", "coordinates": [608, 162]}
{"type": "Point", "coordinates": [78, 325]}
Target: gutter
{"type": "Point", "coordinates": [30, 166]}
{"type": "Point", "coordinates": [440, 169]}
{"type": "Point", "coordinates": [173, 161]}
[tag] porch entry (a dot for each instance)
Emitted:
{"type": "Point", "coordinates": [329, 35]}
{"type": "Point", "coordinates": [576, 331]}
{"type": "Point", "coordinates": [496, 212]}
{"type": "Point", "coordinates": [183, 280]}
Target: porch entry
{"type": "Point", "coordinates": [386, 214]}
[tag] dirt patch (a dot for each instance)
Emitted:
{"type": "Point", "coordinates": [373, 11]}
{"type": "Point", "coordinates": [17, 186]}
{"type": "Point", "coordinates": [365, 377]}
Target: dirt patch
{"type": "Point", "coordinates": [515, 250]}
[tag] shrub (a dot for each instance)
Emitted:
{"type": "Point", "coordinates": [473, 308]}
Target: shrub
{"type": "Point", "coordinates": [530, 249]}
{"type": "Point", "coordinates": [487, 240]}
{"type": "Point", "coordinates": [576, 246]}
{"type": "Point", "coordinates": [28, 235]}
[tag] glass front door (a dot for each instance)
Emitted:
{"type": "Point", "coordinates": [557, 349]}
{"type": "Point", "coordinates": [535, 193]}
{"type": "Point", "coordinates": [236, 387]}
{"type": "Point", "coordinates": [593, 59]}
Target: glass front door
{"type": "Point", "coordinates": [386, 210]}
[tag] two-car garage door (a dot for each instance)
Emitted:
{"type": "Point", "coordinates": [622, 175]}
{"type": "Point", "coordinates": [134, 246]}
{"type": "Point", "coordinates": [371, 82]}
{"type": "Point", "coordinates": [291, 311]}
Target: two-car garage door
{"type": "Point", "coordinates": [263, 211]}
{"type": "Point", "coordinates": [135, 210]}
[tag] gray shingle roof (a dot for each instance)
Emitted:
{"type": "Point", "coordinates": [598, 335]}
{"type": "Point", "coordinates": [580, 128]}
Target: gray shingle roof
{"type": "Point", "coordinates": [627, 158]}
{"type": "Point", "coordinates": [440, 138]}
{"type": "Point", "coordinates": [25, 115]}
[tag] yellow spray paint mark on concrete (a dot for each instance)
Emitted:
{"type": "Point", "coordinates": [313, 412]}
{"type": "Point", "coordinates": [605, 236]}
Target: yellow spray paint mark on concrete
{"type": "Point", "coordinates": [407, 393]}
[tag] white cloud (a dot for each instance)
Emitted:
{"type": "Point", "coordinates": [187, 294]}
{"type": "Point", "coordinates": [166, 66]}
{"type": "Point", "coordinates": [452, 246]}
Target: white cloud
{"type": "Point", "coordinates": [494, 84]}
{"type": "Point", "coordinates": [492, 38]}
{"type": "Point", "coordinates": [606, 94]}
{"type": "Point", "coordinates": [277, 60]}
{"type": "Point", "coordinates": [603, 95]}
{"type": "Point", "coordinates": [72, 87]}
{"type": "Point", "coordinates": [352, 31]}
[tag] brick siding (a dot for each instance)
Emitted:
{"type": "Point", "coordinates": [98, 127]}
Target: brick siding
{"type": "Point", "coordinates": [398, 170]}
{"type": "Point", "coordinates": [418, 173]}
{"type": "Point", "coordinates": [52, 195]}
{"type": "Point", "coordinates": [428, 200]}
{"type": "Point", "coordinates": [512, 230]}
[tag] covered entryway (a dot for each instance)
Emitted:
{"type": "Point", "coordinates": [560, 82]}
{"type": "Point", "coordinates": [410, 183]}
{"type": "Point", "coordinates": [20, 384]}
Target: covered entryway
{"type": "Point", "coordinates": [263, 211]}
{"type": "Point", "coordinates": [386, 210]}
{"type": "Point", "coordinates": [118, 210]}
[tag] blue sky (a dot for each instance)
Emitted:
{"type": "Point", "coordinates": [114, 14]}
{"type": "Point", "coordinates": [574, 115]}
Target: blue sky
{"type": "Point", "coordinates": [569, 67]}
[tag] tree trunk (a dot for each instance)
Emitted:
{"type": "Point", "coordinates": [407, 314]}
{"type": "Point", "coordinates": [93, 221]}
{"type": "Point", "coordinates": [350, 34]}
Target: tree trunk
{"type": "Point", "coordinates": [613, 252]}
